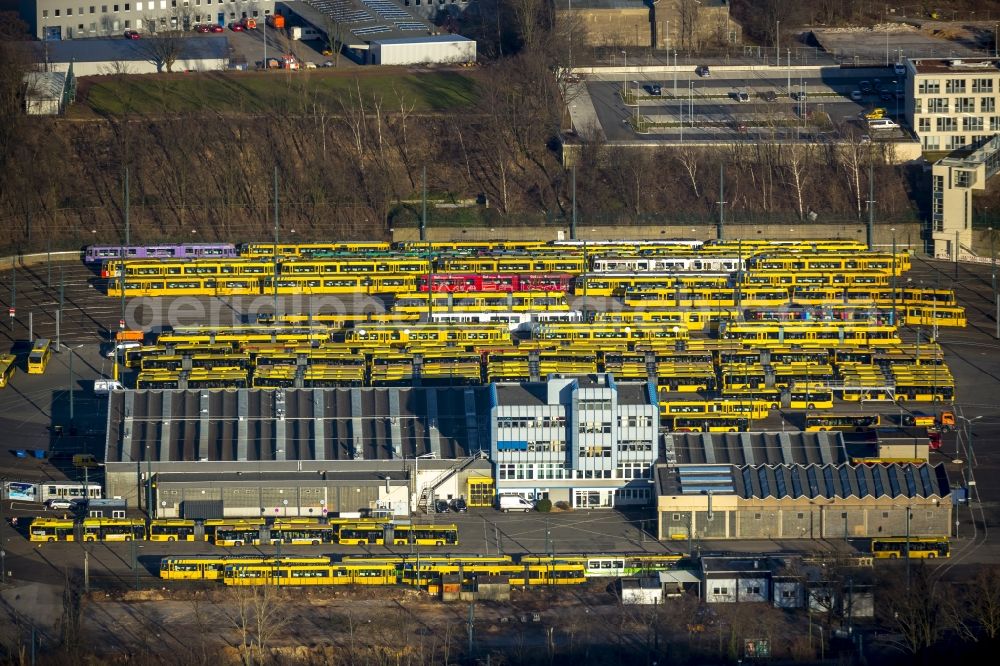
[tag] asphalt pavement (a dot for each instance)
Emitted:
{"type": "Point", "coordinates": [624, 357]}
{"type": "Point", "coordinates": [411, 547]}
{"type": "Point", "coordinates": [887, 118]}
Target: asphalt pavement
{"type": "Point", "coordinates": [706, 103]}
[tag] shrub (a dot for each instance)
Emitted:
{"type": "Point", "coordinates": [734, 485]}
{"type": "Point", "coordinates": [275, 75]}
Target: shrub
{"type": "Point", "coordinates": [543, 505]}
{"type": "Point", "coordinates": [562, 505]}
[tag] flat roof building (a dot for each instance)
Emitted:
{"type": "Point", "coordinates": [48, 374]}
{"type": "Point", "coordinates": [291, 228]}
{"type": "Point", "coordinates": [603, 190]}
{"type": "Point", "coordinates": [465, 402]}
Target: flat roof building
{"type": "Point", "coordinates": [58, 19]}
{"type": "Point", "coordinates": [749, 496]}
{"type": "Point", "coordinates": [588, 441]}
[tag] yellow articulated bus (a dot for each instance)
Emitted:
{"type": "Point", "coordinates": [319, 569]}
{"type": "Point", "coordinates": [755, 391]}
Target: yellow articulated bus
{"type": "Point", "coordinates": [829, 334]}
{"type": "Point", "coordinates": [399, 335]}
{"type": "Point", "coordinates": [453, 365]}
{"type": "Point", "coordinates": [854, 262]}
{"type": "Point", "coordinates": [924, 390]}
{"type": "Point", "coordinates": [769, 397]}
{"type": "Point", "coordinates": [360, 534]}
{"type": "Point", "coordinates": [512, 301]}
{"type": "Point", "coordinates": [787, 375]}
{"type": "Point", "coordinates": [843, 422]}
{"type": "Point", "coordinates": [387, 283]}
{"type": "Point", "coordinates": [39, 356]}
{"type": "Point", "coordinates": [353, 266]}
{"type": "Point", "coordinates": [171, 529]}
{"type": "Point", "coordinates": [813, 279]}
{"type": "Point", "coordinates": [211, 524]}
{"type": "Point", "coordinates": [425, 535]}
{"type": "Point", "coordinates": [421, 573]}
{"type": "Point", "coordinates": [391, 368]}
{"type": "Point", "coordinates": [245, 335]}
{"type": "Point", "coordinates": [113, 529]}
{"type": "Point", "coordinates": [914, 547]}
{"type": "Point", "coordinates": [693, 320]}
{"type": "Point", "coordinates": [567, 361]}
{"type": "Point", "coordinates": [301, 532]}
{"type": "Point", "coordinates": [685, 378]}
{"type": "Point", "coordinates": [293, 575]}
{"type": "Point", "coordinates": [238, 533]}
{"type": "Point", "coordinates": [754, 409]}
{"type": "Point", "coordinates": [51, 529]}
{"type": "Point", "coordinates": [805, 398]}
{"type": "Point", "coordinates": [212, 567]}
{"type": "Point", "coordinates": [624, 333]}
{"type": "Point", "coordinates": [943, 315]}
{"type": "Point", "coordinates": [266, 250]}
{"type": "Point", "coordinates": [710, 423]}
{"type": "Point", "coordinates": [341, 320]}
{"type": "Point", "coordinates": [7, 363]}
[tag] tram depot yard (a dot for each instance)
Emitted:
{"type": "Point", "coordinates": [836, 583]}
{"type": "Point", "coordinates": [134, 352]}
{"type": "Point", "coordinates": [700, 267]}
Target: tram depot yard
{"type": "Point", "coordinates": [731, 394]}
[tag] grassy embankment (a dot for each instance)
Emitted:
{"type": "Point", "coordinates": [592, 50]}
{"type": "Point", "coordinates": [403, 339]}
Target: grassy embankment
{"type": "Point", "coordinates": [228, 93]}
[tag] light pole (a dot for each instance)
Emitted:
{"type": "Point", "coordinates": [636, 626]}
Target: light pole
{"type": "Point", "coordinates": [625, 77]}
{"type": "Point", "coordinates": [970, 453]}
{"type": "Point", "coordinates": [675, 74]}
{"type": "Point", "coordinates": [893, 230]}
{"type": "Point", "coordinates": [788, 84]}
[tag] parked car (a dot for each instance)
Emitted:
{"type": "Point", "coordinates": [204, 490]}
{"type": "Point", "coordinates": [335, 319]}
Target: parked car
{"type": "Point", "coordinates": [703, 71]}
{"type": "Point", "coordinates": [202, 28]}
{"type": "Point", "coordinates": [856, 95]}
{"type": "Point", "coordinates": [899, 69]}
{"type": "Point", "coordinates": [769, 96]}
{"type": "Point", "coordinates": [215, 28]}
{"type": "Point", "coordinates": [865, 86]}
{"type": "Point", "coordinates": [458, 505]}
{"type": "Point", "coordinates": [441, 506]}
{"type": "Point", "coordinates": [741, 96]}
{"type": "Point", "coordinates": [59, 504]}
{"type": "Point", "coordinates": [877, 84]}
{"type": "Point", "coordinates": [309, 64]}
{"type": "Point", "coordinates": [236, 27]}
{"type": "Point", "coordinates": [655, 89]}
{"type": "Point", "coordinates": [885, 96]}
{"type": "Point", "coordinates": [799, 96]}
{"type": "Point", "coordinates": [327, 63]}
{"type": "Point", "coordinates": [132, 34]}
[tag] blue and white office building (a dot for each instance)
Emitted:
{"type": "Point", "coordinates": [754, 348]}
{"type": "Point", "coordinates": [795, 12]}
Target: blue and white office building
{"type": "Point", "coordinates": [588, 441]}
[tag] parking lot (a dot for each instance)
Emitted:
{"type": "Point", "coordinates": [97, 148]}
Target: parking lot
{"type": "Point", "coordinates": [786, 103]}
{"type": "Point", "coordinates": [248, 46]}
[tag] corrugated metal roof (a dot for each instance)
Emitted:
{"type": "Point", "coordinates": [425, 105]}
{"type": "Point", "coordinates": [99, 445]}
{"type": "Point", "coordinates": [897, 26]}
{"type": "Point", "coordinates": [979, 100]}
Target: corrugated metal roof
{"type": "Point", "coordinates": [45, 85]}
{"type": "Point", "coordinates": [841, 481]}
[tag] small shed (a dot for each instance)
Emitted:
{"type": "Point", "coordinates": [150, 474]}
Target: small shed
{"type": "Point", "coordinates": [492, 588]}
{"type": "Point", "coordinates": [44, 93]}
{"type": "Point", "coordinates": [643, 590]}
{"type": "Point", "coordinates": [676, 582]}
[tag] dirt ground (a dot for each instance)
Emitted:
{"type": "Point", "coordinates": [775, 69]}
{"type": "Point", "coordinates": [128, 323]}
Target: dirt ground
{"type": "Point", "coordinates": [328, 624]}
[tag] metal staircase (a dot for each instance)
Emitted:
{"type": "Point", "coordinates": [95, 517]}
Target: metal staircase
{"type": "Point", "coordinates": [427, 492]}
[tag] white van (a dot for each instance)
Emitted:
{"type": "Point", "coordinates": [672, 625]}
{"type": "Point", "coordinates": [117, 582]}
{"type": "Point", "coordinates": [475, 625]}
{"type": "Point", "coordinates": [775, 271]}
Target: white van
{"type": "Point", "coordinates": [508, 503]}
{"type": "Point", "coordinates": [883, 124]}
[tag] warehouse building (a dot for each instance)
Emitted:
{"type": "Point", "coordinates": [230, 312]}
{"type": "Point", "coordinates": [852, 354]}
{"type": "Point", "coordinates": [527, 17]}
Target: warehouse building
{"type": "Point", "coordinates": [379, 32]}
{"type": "Point", "coordinates": [96, 57]}
{"type": "Point", "coordinates": [793, 486]}
{"type": "Point", "coordinates": [660, 24]}
{"type": "Point", "coordinates": [305, 452]}
{"type": "Point", "coordinates": [60, 19]}
{"type": "Point", "coordinates": [588, 441]}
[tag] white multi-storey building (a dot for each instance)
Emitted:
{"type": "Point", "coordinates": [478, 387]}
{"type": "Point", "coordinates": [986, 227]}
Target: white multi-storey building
{"type": "Point", "coordinates": [588, 441]}
{"type": "Point", "coordinates": [952, 103]}
{"type": "Point", "coordinates": [68, 19]}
